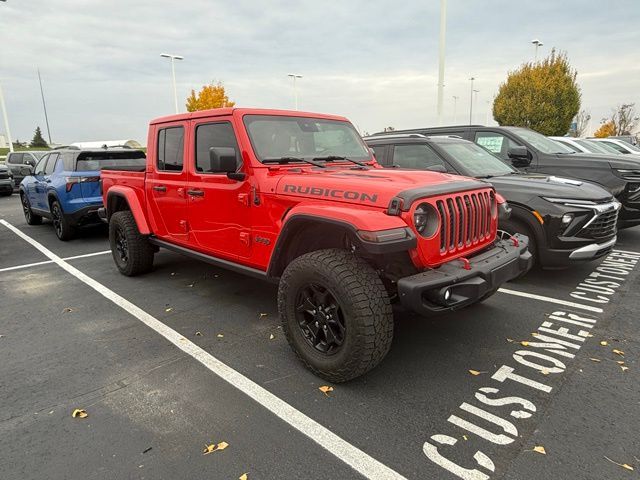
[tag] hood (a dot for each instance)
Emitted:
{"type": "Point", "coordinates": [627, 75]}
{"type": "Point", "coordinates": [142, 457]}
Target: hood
{"type": "Point", "coordinates": [519, 187]}
{"type": "Point", "coordinates": [373, 187]}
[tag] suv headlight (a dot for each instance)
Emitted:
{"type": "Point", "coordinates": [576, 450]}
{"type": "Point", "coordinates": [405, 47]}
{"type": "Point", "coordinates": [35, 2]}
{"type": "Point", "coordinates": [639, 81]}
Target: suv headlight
{"type": "Point", "coordinates": [570, 202]}
{"type": "Point", "coordinates": [426, 220]}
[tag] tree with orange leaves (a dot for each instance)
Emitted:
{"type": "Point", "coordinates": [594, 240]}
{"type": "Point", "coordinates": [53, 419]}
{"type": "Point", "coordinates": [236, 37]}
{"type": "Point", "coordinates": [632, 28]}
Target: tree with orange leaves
{"type": "Point", "coordinates": [210, 96]}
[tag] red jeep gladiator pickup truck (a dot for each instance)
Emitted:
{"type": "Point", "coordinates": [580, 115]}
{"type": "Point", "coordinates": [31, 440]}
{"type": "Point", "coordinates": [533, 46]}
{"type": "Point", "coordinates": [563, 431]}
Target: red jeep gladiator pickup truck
{"type": "Point", "coordinates": [298, 198]}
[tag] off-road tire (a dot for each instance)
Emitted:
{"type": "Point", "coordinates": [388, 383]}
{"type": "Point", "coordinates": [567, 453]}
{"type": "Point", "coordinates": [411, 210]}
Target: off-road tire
{"type": "Point", "coordinates": [139, 252]}
{"type": "Point", "coordinates": [363, 299]}
{"type": "Point", "coordinates": [30, 217]}
{"type": "Point", "coordinates": [62, 227]}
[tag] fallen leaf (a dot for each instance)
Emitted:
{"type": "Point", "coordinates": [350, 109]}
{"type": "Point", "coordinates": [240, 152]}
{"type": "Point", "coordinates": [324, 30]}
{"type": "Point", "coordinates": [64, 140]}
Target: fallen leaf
{"type": "Point", "coordinates": [191, 285]}
{"type": "Point", "coordinates": [624, 369]}
{"type": "Point", "coordinates": [214, 448]}
{"type": "Point", "coordinates": [524, 343]}
{"type": "Point", "coordinates": [475, 372]}
{"type": "Point", "coordinates": [80, 413]}
{"type": "Point", "coordinates": [243, 477]}
{"type": "Point", "coordinates": [618, 352]}
{"type": "Point", "coordinates": [589, 335]}
{"type": "Point", "coordinates": [326, 389]}
{"type": "Point", "coordinates": [220, 335]}
{"type": "Point", "coordinates": [510, 340]}
{"type": "Point", "coordinates": [626, 466]}
{"type": "Point", "coordinates": [620, 362]}
{"type": "Point", "coordinates": [262, 315]}
{"type": "Point", "coordinates": [540, 449]}
{"type": "Point", "coordinates": [173, 274]}
{"type": "Point", "coordinates": [465, 437]}
{"type": "Point", "coordinates": [544, 371]}
{"type": "Point", "coordinates": [67, 310]}
{"type": "Point", "coordinates": [168, 309]}
{"type": "Point", "coordinates": [595, 359]}
{"type": "Point", "coordinates": [604, 343]}
{"type": "Point", "coordinates": [535, 334]}
{"type": "Point", "coordinates": [198, 334]}
{"type": "Point", "coordinates": [272, 336]}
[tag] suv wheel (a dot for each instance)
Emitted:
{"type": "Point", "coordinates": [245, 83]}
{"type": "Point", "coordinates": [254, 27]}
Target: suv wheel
{"type": "Point", "coordinates": [131, 250]}
{"type": "Point", "coordinates": [29, 216]}
{"type": "Point", "coordinates": [335, 314]}
{"type": "Point", "coordinates": [61, 224]}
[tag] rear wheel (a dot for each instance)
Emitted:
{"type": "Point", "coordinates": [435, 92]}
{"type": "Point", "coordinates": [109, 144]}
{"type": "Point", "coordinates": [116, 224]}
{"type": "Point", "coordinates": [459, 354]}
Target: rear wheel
{"type": "Point", "coordinates": [61, 225]}
{"type": "Point", "coordinates": [29, 216]}
{"type": "Point", "coordinates": [335, 314]}
{"type": "Point", "coordinates": [132, 252]}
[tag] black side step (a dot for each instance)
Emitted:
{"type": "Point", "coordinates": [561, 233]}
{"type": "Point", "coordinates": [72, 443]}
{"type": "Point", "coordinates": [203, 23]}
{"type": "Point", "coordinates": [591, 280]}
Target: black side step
{"type": "Point", "coordinates": [218, 262]}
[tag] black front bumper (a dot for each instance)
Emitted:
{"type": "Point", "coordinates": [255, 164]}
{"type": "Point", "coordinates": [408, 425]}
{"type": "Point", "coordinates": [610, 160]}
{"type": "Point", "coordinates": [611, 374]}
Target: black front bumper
{"type": "Point", "coordinates": [424, 292]}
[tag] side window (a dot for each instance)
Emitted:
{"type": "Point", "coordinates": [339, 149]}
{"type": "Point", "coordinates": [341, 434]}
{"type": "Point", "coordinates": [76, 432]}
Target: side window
{"type": "Point", "coordinates": [15, 158]}
{"type": "Point", "coordinates": [51, 164]}
{"type": "Point", "coordinates": [495, 142]}
{"type": "Point", "coordinates": [616, 146]}
{"type": "Point", "coordinates": [171, 149]}
{"type": "Point", "coordinates": [39, 168]}
{"type": "Point", "coordinates": [68, 161]}
{"type": "Point", "coordinates": [417, 157]}
{"type": "Point", "coordinates": [378, 151]}
{"type": "Point", "coordinates": [213, 135]}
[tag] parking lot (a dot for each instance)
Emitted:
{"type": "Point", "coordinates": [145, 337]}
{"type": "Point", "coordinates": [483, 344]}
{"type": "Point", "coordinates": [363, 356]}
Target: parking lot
{"type": "Point", "coordinates": [191, 355]}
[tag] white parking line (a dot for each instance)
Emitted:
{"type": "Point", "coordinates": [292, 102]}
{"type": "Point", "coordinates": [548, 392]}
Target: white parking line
{"type": "Point", "coordinates": [45, 262]}
{"type": "Point", "coordinates": [367, 466]}
{"type": "Point", "coordinates": [551, 300]}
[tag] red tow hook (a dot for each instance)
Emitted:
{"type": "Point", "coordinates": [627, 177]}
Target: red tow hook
{"type": "Point", "coordinates": [465, 263]}
{"type": "Point", "coordinates": [516, 242]}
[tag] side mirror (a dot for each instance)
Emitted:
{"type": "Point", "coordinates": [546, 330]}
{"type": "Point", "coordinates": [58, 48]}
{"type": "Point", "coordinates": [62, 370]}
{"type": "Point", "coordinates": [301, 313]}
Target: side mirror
{"type": "Point", "coordinates": [519, 156]}
{"type": "Point", "coordinates": [224, 160]}
{"type": "Point", "coordinates": [30, 162]}
{"type": "Point", "coordinates": [437, 168]}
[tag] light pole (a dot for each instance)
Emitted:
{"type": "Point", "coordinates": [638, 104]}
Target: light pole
{"type": "Point", "coordinates": [294, 76]}
{"type": "Point", "coordinates": [455, 109]}
{"type": "Point", "coordinates": [44, 106]}
{"type": "Point", "coordinates": [471, 101]}
{"type": "Point", "coordinates": [443, 28]}
{"type": "Point", "coordinates": [537, 43]}
{"type": "Point", "coordinates": [6, 120]}
{"type": "Point", "coordinates": [173, 76]}
{"type": "Point", "coordinates": [475, 100]}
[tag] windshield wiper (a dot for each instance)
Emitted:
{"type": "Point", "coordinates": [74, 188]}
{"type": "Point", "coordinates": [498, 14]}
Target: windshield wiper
{"type": "Point", "coordinates": [331, 158]}
{"type": "Point", "coordinates": [285, 160]}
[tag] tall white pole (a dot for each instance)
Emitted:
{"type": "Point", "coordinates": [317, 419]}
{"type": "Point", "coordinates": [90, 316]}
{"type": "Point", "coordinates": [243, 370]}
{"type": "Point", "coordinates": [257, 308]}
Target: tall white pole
{"type": "Point", "coordinates": [475, 100]}
{"type": "Point", "coordinates": [173, 80]}
{"type": "Point", "coordinates": [44, 106]}
{"type": "Point", "coordinates": [471, 102]}
{"type": "Point", "coordinates": [443, 36]}
{"type": "Point", "coordinates": [294, 77]}
{"type": "Point", "coordinates": [455, 109]}
{"type": "Point", "coordinates": [6, 119]}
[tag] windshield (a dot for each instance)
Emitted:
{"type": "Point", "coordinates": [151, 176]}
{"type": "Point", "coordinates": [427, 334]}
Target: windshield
{"type": "Point", "coordinates": [540, 142]}
{"type": "Point", "coordinates": [278, 136]}
{"type": "Point", "coordinates": [596, 147]}
{"type": "Point", "coordinates": [88, 161]}
{"type": "Point", "coordinates": [475, 160]}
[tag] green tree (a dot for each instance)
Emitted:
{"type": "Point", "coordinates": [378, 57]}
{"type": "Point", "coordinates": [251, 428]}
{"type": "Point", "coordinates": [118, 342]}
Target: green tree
{"type": "Point", "coordinates": [210, 96]}
{"type": "Point", "coordinates": [543, 96]}
{"type": "Point", "coordinates": [37, 140]}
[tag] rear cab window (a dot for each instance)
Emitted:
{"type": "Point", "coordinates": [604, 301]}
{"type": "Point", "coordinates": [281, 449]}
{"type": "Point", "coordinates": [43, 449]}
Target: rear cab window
{"type": "Point", "coordinates": [96, 160]}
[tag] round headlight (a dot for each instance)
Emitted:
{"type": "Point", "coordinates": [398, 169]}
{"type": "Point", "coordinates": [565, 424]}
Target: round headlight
{"type": "Point", "coordinates": [426, 220]}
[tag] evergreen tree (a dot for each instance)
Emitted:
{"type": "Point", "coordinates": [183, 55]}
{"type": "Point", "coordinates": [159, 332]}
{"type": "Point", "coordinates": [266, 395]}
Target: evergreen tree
{"type": "Point", "coordinates": [38, 141]}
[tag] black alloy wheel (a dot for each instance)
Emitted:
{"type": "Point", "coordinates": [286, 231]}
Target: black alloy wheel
{"type": "Point", "coordinates": [320, 318]}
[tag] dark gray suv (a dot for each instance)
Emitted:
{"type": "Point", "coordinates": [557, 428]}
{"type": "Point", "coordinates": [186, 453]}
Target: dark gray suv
{"type": "Point", "coordinates": [21, 163]}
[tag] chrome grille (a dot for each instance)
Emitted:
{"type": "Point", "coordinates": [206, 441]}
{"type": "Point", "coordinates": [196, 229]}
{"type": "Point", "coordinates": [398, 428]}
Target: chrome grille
{"type": "Point", "coordinates": [603, 225]}
{"type": "Point", "coordinates": [465, 220]}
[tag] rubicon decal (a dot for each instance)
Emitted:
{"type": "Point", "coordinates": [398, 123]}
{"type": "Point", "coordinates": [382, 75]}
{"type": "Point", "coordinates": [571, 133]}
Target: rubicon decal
{"type": "Point", "coordinates": [331, 193]}
{"type": "Point", "coordinates": [547, 353]}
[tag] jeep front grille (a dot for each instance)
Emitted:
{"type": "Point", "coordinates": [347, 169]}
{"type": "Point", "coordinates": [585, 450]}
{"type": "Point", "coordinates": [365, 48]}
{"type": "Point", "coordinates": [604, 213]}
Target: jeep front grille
{"type": "Point", "coordinates": [465, 220]}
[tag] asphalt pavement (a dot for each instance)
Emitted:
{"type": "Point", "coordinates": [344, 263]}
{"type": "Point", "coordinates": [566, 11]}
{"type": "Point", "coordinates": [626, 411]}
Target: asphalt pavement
{"type": "Point", "coordinates": [190, 355]}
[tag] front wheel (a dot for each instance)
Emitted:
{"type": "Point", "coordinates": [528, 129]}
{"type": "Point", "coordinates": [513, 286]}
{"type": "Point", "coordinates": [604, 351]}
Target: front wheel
{"type": "Point", "coordinates": [132, 252]}
{"type": "Point", "coordinates": [335, 313]}
{"type": "Point", "coordinates": [29, 216]}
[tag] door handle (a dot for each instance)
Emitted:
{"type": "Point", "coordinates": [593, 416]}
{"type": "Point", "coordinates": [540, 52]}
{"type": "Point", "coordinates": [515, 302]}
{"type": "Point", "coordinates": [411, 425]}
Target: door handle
{"type": "Point", "coordinates": [160, 188]}
{"type": "Point", "coordinates": [196, 193]}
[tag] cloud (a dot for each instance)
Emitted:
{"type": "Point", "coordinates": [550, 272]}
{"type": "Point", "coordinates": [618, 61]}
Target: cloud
{"type": "Point", "coordinates": [372, 61]}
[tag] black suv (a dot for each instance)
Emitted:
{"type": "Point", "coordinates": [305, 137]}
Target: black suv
{"type": "Point", "coordinates": [21, 163]}
{"type": "Point", "coordinates": [566, 220]}
{"type": "Point", "coordinates": [534, 153]}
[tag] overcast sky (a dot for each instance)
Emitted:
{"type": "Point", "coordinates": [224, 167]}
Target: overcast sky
{"type": "Point", "coordinates": [375, 62]}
